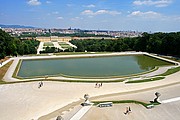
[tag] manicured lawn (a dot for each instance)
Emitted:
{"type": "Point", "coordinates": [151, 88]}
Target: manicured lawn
{"type": "Point", "coordinates": [170, 71]}
{"type": "Point", "coordinates": [127, 101]}
{"type": "Point", "coordinates": [3, 71]}
{"type": "Point", "coordinates": [146, 80]}
{"type": "Point", "coordinates": [48, 44]}
{"type": "Point", "coordinates": [64, 45]}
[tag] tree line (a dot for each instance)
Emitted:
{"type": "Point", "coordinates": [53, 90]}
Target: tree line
{"type": "Point", "coordinates": [11, 46]}
{"type": "Point", "coordinates": [159, 43]}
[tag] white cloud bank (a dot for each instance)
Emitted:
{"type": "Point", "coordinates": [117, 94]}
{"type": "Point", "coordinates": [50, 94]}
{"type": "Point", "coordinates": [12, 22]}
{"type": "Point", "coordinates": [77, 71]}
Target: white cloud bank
{"type": "Point", "coordinates": [89, 6]}
{"type": "Point", "coordinates": [48, 2]}
{"type": "Point", "coordinates": [156, 3]}
{"type": "Point", "coordinates": [145, 14]}
{"type": "Point", "coordinates": [60, 18]}
{"type": "Point", "coordinates": [99, 12]}
{"type": "Point", "coordinates": [34, 2]}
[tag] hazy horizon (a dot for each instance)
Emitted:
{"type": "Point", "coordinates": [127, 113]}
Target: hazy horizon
{"type": "Point", "coordinates": [129, 15]}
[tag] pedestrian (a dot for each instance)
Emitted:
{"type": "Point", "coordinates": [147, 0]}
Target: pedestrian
{"type": "Point", "coordinates": [127, 110]}
{"type": "Point", "coordinates": [96, 85]}
{"type": "Point", "coordinates": [41, 83]}
{"type": "Point", "coordinates": [101, 84]}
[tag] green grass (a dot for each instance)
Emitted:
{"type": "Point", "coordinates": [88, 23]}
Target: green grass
{"type": "Point", "coordinates": [3, 71]}
{"type": "Point", "coordinates": [48, 44]}
{"type": "Point", "coordinates": [146, 80]}
{"type": "Point", "coordinates": [127, 101]}
{"type": "Point", "coordinates": [170, 71]}
{"type": "Point", "coordinates": [64, 45]}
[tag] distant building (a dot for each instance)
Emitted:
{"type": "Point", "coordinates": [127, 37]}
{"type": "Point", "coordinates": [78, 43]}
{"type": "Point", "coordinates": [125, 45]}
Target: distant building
{"type": "Point", "coordinates": [53, 38]}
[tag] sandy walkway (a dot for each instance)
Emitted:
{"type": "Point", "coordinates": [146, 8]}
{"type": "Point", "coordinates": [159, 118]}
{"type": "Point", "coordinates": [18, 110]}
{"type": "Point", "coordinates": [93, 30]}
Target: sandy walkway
{"type": "Point", "coordinates": [24, 101]}
{"type": "Point", "coordinates": [56, 45]}
{"type": "Point", "coordinates": [166, 111]}
{"type": "Point", "coordinates": [71, 45]}
{"type": "Point", "coordinates": [40, 48]}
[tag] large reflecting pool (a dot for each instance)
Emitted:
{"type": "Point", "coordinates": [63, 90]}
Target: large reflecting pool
{"type": "Point", "coordinates": [90, 67]}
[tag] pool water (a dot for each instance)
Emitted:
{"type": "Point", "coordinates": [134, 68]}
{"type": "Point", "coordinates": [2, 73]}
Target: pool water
{"type": "Point", "coordinates": [90, 67]}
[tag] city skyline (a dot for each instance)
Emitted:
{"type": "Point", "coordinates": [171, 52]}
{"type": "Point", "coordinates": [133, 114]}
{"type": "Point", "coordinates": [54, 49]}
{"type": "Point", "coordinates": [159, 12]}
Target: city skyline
{"type": "Point", "coordinates": [138, 15]}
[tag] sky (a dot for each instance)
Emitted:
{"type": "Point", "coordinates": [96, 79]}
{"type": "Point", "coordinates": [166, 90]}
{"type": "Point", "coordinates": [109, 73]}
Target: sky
{"type": "Point", "coordinates": [122, 15]}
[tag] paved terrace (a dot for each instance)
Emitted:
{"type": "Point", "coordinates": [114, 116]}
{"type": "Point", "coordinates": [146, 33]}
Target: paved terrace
{"type": "Point", "coordinates": [25, 101]}
{"type": "Point", "coordinates": [71, 45]}
{"type": "Point", "coordinates": [56, 45]}
{"type": "Point", "coordinates": [40, 48]}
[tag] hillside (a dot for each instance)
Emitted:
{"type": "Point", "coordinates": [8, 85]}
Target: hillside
{"type": "Point", "coordinates": [15, 26]}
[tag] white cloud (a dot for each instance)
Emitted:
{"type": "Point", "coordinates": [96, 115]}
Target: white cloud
{"type": "Point", "coordinates": [34, 2]}
{"type": "Point", "coordinates": [153, 15]}
{"type": "Point", "coordinates": [76, 18]}
{"type": "Point", "coordinates": [89, 6]}
{"type": "Point", "coordinates": [60, 18]}
{"type": "Point", "coordinates": [157, 3]}
{"type": "Point", "coordinates": [99, 12]}
{"type": "Point", "coordinates": [87, 12]}
{"type": "Point", "coordinates": [148, 14]}
{"type": "Point", "coordinates": [48, 2]}
{"type": "Point", "coordinates": [56, 12]}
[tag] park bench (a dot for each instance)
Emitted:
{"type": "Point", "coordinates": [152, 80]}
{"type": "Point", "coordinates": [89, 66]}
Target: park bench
{"type": "Point", "coordinates": [150, 106]}
{"type": "Point", "coordinates": [105, 104]}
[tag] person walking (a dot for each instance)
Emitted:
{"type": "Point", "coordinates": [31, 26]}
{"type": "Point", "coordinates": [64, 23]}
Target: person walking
{"type": "Point", "coordinates": [127, 111]}
{"type": "Point", "coordinates": [101, 84]}
{"type": "Point", "coordinates": [96, 85]}
{"type": "Point", "coordinates": [41, 83]}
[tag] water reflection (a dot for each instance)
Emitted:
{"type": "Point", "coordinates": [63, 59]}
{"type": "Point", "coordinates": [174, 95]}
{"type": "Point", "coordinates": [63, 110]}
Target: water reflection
{"type": "Point", "coordinates": [148, 63]}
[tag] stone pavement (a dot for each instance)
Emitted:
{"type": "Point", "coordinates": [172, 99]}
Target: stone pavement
{"type": "Point", "coordinates": [81, 113]}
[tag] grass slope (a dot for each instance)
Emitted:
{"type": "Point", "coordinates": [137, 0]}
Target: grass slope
{"type": "Point", "coordinates": [3, 71]}
{"type": "Point", "coordinates": [127, 101]}
{"type": "Point", "coordinates": [170, 71]}
{"type": "Point", "coordinates": [146, 80]}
